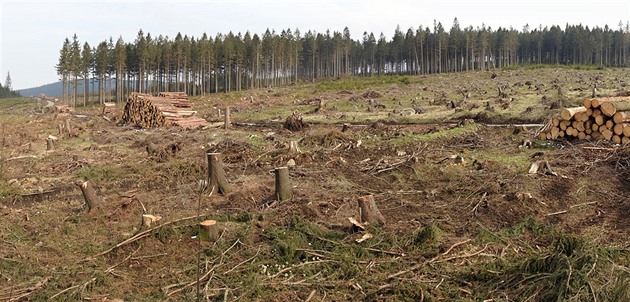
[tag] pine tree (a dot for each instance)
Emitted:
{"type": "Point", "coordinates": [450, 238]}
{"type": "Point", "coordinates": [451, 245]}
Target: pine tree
{"type": "Point", "coordinates": [7, 82]}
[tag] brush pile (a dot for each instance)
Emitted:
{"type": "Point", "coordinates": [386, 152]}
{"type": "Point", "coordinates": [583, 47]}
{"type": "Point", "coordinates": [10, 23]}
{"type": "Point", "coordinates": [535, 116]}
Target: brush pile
{"type": "Point", "coordinates": [599, 118]}
{"type": "Point", "coordinates": [166, 109]}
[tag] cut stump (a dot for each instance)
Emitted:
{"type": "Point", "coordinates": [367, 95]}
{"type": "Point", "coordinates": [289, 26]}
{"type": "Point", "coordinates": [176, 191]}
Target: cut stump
{"type": "Point", "coordinates": [368, 211]}
{"type": "Point", "coordinates": [216, 175]}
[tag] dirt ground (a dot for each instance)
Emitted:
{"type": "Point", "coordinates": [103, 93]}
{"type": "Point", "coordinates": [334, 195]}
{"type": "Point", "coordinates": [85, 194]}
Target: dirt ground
{"type": "Point", "coordinates": [465, 221]}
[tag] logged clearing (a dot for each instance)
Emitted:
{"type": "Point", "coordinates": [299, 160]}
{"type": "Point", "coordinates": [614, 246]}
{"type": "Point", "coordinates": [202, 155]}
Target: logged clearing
{"type": "Point", "coordinates": [401, 188]}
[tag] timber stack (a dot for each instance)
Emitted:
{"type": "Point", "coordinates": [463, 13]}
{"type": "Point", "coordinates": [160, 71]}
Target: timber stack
{"type": "Point", "coordinates": [166, 109]}
{"type": "Point", "coordinates": [599, 118]}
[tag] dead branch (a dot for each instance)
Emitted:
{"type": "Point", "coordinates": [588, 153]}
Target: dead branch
{"type": "Point", "coordinates": [138, 237]}
{"type": "Point", "coordinates": [298, 265]}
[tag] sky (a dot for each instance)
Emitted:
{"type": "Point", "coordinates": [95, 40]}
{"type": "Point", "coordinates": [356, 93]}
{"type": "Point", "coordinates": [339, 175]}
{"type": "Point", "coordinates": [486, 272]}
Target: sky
{"type": "Point", "coordinates": [33, 31]}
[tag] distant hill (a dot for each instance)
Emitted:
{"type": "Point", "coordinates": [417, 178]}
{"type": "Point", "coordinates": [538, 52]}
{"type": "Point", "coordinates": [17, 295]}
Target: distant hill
{"type": "Point", "coordinates": [56, 89]}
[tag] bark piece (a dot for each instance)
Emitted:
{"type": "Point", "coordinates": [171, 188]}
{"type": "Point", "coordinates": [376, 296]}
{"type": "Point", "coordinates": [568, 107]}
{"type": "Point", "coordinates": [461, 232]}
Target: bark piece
{"type": "Point", "coordinates": [284, 191]}
{"type": "Point", "coordinates": [368, 211]}
{"type": "Point", "coordinates": [148, 220]}
{"type": "Point", "coordinates": [216, 175]}
{"type": "Point", "coordinates": [91, 199]}
{"type": "Point", "coordinates": [209, 230]}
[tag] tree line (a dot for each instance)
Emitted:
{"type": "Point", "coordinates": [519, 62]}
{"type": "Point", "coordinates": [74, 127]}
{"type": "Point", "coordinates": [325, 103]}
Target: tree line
{"type": "Point", "coordinates": [7, 91]}
{"type": "Point", "coordinates": [228, 62]}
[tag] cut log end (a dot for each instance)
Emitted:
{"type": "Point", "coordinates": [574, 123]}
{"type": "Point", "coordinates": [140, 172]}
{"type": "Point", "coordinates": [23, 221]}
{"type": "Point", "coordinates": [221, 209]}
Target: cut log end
{"type": "Point", "coordinates": [209, 230]}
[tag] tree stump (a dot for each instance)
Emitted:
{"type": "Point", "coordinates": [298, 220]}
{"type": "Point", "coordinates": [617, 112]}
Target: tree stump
{"type": "Point", "coordinates": [227, 122]}
{"type": "Point", "coordinates": [50, 144]}
{"type": "Point", "coordinates": [368, 211]}
{"type": "Point", "coordinates": [216, 175]}
{"type": "Point", "coordinates": [89, 195]}
{"type": "Point", "coordinates": [68, 128]}
{"type": "Point", "coordinates": [209, 230]}
{"type": "Point", "coordinates": [283, 184]}
{"type": "Point", "coordinates": [294, 149]}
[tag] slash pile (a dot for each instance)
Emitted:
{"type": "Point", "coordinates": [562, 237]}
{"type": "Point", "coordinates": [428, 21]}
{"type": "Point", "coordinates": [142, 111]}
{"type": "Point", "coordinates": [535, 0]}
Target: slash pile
{"type": "Point", "coordinates": [599, 118]}
{"type": "Point", "coordinates": [166, 109]}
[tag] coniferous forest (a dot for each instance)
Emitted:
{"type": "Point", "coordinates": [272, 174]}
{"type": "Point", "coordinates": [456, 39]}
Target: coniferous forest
{"type": "Point", "coordinates": [229, 62]}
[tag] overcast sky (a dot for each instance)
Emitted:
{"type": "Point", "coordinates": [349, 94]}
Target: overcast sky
{"type": "Point", "coordinates": [33, 31]}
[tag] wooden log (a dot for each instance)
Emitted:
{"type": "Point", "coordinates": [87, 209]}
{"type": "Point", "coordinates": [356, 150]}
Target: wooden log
{"type": "Point", "coordinates": [596, 112]}
{"type": "Point", "coordinates": [368, 211]}
{"type": "Point", "coordinates": [610, 124]}
{"type": "Point", "coordinates": [554, 121]}
{"type": "Point", "coordinates": [600, 119]}
{"type": "Point", "coordinates": [621, 117]}
{"type": "Point", "coordinates": [618, 128]}
{"type": "Point", "coordinates": [581, 135]}
{"type": "Point", "coordinates": [626, 131]}
{"type": "Point", "coordinates": [603, 128]}
{"type": "Point", "coordinates": [616, 139]}
{"type": "Point", "coordinates": [89, 195]}
{"type": "Point", "coordinates": [563, 125]}
{"type": "Point", "coordinates": [589, 112]}
{"type": "Point", "coordinates": [587, 103]}
{"type": "Point", "coordinates": [580, 126]}
{"type": "Point", "coordinates": [543, 135]}
{"type": "Point", "coordinates": [596, 135]}
{"type": "Point", "coordinates": [284, 191]}
{"type": "Point", "coordinates": [611, 106]}
{"type": "Point", "coordinates": [216, 175]}
{"type": "Point", "coordinates": [607, 134]}
{"type": "Point", "coordinates": [555, 132]}
{"type": "Point", "coordinates": [567, 113]}
{"type": "Point", "coordinates": [569, 131]}
{"type": "Point", "coordinates": [625, 140]}
{"type": "Point", "coordinates": [595, 127]}
{"type": "Point", "coordinates": [209, 230]}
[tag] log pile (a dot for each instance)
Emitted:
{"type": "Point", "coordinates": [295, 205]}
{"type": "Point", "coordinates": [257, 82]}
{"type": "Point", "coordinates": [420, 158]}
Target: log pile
{"type": "Point", "coordinates": [599, 118]}
{"type": "Point", "coordinates": [166, 109]}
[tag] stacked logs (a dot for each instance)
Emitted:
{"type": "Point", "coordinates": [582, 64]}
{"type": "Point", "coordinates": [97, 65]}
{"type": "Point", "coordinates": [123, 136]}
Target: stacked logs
{"type": "Point", "coordinates": [599, 118]}
{"type": "Point", "coordinates": [166, 109]}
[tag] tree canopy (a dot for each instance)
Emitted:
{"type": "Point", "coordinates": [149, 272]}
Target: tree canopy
{"type": "Point", "coordinates": [235, 61]}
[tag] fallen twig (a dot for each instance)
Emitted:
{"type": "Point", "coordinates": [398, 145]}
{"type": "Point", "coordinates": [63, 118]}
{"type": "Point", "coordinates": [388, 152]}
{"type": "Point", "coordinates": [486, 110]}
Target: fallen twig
{"type": "Point", "coordinates": [418, 266]}
{"type": "Point", "coordinates": [210, 271]}
{"type": "Point", "coordinates": [12, 294]}
{"type": "Point", "coordinates": [298, 265]}
{"type": "Point", "coordinates": [138, 237]}
{"type": "Point", "coordinates": [249, 259]}
{"type": "Point", "coordinates": [73, 287]}
{"type": "Point", "coordinates": [557, 213]}
{"type": "Point", "coordinates": [386, 252]}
